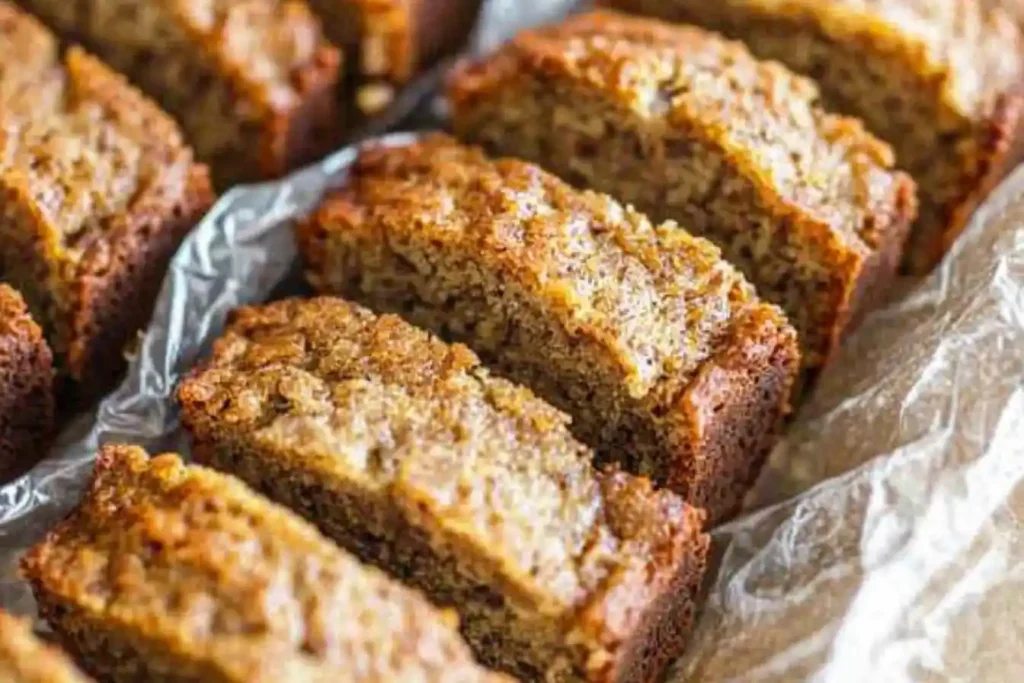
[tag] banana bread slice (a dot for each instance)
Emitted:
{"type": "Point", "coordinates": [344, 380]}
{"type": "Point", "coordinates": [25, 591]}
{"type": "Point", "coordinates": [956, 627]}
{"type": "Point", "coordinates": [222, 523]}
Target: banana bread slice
{"type": "Point", "coordinates": [659, 349]}
{"type": "Point", "coordinates": [24, 658]}
{"type": "Point", "coordinates": [252, 82]}
{"type": "Point", "coordinates": [408, 453]}
{"type": "Point", "coordinates": [387, 42]}
{"type": "Point", "coordinates": [685, 125]}
{"type": "Point", "coordinates": [166, 573]}
{"type": "Point", "coordinates": [97, 190]}
{"type": "Point", "coordinates": [26, 388]}
{"type": "Point", "coordinates": [938, 79]}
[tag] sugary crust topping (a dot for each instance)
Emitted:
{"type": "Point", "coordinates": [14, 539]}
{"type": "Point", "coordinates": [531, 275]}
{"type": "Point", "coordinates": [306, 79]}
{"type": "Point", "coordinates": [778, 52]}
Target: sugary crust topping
{"type": "Point", "coordinates": [83, 145]}
{"type": "Point", "coordinates": [24, 658]}
{"type": "Point", "coordinates": [264, 44]}
{"type": "Point", "coordinates": [376, 401]}
{"type": "Point", "coordinates": [655, 297]}
{"type": "Point", "coordinates": [698, 84]}
{"type": "Point", "coordinates": [15, 320]}
{"type": "Point", "coordinates": [975, 53]}
{"type": "Point", "coordinates": [225, 579]}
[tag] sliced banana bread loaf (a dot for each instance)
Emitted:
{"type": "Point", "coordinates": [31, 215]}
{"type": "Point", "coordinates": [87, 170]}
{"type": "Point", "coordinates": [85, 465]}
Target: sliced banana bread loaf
{"type": "Point", "coordinates": [172, 574]}
{"type": "Point", "coordinates": [387, 42]}
{"type": "Point", "coordinates": [26, 388]}
{"type": "Point", "coordinates": [24, 658]}
{"type": "Point", "coordinates": [97, 190]}
{"type": "Point", "coordinates": [252, 82]}
{"type": "Point", "coordinates": [688, 126]}
{"type": "Point", "coordinates": [659, 349]}
{"type": "Point", "coordinates": [407, 452]}
{"type": "Point", "coordinates": [938, 79]}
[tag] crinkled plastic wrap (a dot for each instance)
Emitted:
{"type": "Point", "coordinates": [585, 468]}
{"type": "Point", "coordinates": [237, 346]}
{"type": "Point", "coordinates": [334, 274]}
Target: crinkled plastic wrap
{"type": "Point", "coordinates": [890, 547]}
{"type": "Point", "coordinates": [887, 543]}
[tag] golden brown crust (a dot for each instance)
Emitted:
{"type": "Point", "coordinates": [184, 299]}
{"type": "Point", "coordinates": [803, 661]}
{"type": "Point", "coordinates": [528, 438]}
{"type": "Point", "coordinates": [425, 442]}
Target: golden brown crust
{"type": "Point", "coordinates": [566, 291]}
{"type": "Point", "coordinates": [99, 189]}
{"type": "Point", "coordinates": [303, 390]}
{"type": "Point", "coordinates": [26, 388]}
{"type": "Point", "coordinates": [24, 658]}
{"type": "Point", "coordinates": [822, 177]}
{"type": "Point", "coordinates": [166, 572]}
{"type": "Point", "coordinates": [952, 71]}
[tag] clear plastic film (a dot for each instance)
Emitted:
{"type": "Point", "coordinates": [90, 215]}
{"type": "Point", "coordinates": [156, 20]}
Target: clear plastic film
{"type": "Point", "coordinates": [888, 543]}
{"type": "Point", "coordinates": [886, 540]}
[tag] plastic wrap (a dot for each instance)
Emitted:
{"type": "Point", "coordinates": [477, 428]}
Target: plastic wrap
{"type": "Point", "coordinates": [886, 544]}
{"type": "Point", "coordinates": [890, 548]}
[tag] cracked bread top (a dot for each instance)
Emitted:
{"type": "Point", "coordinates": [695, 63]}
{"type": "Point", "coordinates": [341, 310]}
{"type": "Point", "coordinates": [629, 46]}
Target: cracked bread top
{"type": "Point", "coordinates": [24, 658]}
{"type": "Point", "coordinates": [86, 147]}
{"type": "Point", "coordinates": [691, 81]}
{"type": "Point", "coordinates": [234, 587]}
{"type": "Point", "coordinates": [657, 299]}
{"type": "Point", "coordinates": [956, 42]}
{"type": "Point", "coordinates": [378, 403]}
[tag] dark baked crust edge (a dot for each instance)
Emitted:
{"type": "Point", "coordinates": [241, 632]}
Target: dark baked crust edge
{"type": "Point", "coordinates": [117, 286]}
{"type": "Point", "coordinates": [733, 412]}
{"type": "Point", "coordinates": [663, 626]}
{"type": "Point", "coordinates": [439, 28]}
{"type": "Point", "coordinates": [302, 134]}
{"type": "Point", "coordinates": [26, 399]}
{"type": "Point", "coordinates": [879, 269]}
{"type": "Point", "coordinates": [644, 615]}
{"type": "Point", "coordinates": [1001, 143]}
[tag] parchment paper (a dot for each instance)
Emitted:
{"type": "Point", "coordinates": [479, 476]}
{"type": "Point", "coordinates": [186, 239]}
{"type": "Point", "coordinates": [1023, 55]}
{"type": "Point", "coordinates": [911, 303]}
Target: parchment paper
{"type": "Point", "coordinates": [886, 545]}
